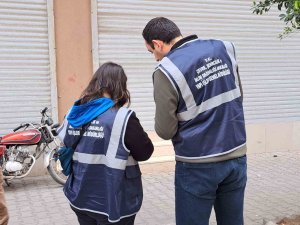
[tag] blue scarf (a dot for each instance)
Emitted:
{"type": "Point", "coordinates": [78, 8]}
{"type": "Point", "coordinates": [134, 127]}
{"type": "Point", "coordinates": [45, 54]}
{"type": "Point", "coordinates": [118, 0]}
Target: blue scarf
{"type": "Point", "coordinates": [83, 114]}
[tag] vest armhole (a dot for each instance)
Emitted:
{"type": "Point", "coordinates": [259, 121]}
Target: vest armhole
{"type": "Point", "coordinates": [233, 49]}
{"type": "Point", "coordinates": [124, 129]}
{"type": "Point", "coordinates": [171, 81]}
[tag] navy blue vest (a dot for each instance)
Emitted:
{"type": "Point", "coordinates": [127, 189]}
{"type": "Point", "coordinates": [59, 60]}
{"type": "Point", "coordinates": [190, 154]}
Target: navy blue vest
{"type": "Point", "coordinates": [210, 111]}
{"type": "Point", "coordinates": [105, 179]}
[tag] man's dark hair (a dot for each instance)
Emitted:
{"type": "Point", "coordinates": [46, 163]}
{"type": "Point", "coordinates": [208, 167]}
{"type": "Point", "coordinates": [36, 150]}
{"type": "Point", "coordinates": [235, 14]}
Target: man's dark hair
{"type": "Point", "coordinates": [160, 28]}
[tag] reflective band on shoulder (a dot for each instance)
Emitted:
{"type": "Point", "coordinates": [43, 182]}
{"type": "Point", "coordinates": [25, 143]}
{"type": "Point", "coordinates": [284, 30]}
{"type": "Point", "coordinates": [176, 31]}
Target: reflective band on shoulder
{"type": "Point", "coordinates": [230, 50]}
{"type": "Point", "coordinates": [209, 104]}
{"type": "Point", "coordinates": [180, 81]}
{"type": "Point", "coordinates": [171, 81]}
{"type": "Point", "coordinates": [116, 133]}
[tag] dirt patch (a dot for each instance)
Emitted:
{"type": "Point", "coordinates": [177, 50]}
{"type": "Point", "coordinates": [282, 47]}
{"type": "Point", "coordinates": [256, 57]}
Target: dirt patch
{"type": "Point", "coordinates": [290, 221]}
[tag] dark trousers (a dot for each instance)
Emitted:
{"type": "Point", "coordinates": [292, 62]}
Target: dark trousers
{"type": "Point", "coordinates": [201, 187]}
{"type": "Point", "coordinates": [89, 218]}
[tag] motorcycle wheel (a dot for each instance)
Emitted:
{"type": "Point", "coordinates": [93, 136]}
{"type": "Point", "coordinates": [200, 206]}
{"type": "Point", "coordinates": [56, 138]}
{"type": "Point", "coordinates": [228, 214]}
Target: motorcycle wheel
{"type": "Point", "coordinates": [55, 169]}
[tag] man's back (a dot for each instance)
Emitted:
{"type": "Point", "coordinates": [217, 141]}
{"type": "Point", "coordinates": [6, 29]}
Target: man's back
{"type": "Point", "coordinates": [203, 74]}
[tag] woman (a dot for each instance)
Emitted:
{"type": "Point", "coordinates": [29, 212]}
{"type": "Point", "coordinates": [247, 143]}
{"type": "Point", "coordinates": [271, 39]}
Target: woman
{"type": "Point", "coordinates": [105, 185]}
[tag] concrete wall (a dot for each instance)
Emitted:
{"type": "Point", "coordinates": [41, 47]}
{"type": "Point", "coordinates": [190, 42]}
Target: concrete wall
{"type": "Point", "coordinates": [261, 138]}
{"type": "Point", "coordinates": [273, 137]}
{"type": "Point", "coordinates": [73, 38]}
{"type": "Point", "coordinates": [74, 68]}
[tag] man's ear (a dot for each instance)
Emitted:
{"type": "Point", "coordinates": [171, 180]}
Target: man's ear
{"type": "Point", "coordinates": [158, 44]}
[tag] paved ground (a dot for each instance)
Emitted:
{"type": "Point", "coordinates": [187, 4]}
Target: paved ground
{"type": "Point", "coordinates": [273, 191]}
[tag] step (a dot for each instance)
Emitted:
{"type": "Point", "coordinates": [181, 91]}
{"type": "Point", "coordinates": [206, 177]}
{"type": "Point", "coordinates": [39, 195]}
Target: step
{"type": "Point", "coordinates": [163, 151]}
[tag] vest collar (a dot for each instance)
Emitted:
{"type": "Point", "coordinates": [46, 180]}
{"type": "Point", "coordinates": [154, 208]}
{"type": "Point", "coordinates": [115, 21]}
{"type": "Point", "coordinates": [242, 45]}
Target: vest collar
{"type": "Point", "coordinates": [184, 40]}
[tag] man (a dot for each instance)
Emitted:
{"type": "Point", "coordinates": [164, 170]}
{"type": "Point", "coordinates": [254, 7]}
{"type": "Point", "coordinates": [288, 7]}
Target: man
{"type": "Point", "coordinates": [198, 100]}
{"type": "Point", "coordinates": [3, 209]}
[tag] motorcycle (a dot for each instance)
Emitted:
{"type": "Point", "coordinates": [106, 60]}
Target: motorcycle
{"type": "Point", "coordinates": [20, 150]}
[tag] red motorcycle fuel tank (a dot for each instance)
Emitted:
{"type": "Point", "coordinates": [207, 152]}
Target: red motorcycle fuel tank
{"type": "Point", "coordinates": [2, 149]}
{"type": "Point", "coordinates": [25, 137]}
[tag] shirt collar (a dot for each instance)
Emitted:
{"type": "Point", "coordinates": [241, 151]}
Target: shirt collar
{"type": "Point", "coordinates": [184, 40]}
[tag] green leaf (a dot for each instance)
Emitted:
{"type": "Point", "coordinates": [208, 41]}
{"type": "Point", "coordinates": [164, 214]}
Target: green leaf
{"type": "Point", "coordinates": [297, 4]}
{"type": "Point", "coordinates": [290, 13]}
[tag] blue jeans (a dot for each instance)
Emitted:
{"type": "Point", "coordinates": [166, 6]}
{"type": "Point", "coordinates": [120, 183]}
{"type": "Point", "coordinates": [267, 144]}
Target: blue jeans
{"type": "Point", "coordinates": [201, 186]}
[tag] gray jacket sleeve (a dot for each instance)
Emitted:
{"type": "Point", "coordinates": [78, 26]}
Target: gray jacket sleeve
{"type": "Point", "coordinates": [166, 101]}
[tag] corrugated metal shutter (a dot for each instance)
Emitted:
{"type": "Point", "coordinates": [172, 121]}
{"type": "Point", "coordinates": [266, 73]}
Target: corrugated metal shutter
{"type": "Point", "coordinates": [269, 67]}
{"type": "Point", "coordinates": [24, 62]}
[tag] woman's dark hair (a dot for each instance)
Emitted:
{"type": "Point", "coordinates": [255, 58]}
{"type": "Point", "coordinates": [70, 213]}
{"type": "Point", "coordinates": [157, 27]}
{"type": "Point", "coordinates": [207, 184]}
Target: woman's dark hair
{"type": "Point", "coordinates": [160, 28]}
{"type": "Point", "coordinates": [109, 78]}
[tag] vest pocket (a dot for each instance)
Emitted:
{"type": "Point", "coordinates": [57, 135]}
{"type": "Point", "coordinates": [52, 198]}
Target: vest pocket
{"type": "Point", "coordinates": [132, 194]}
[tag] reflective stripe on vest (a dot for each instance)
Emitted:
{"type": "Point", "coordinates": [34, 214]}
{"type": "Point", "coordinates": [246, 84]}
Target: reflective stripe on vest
{"type": "Point", "coordinates": [110, 159]}
{"type": "Point", "coordinates": [192, 108]}
{"type": "Point", "coordinates": [231, 52]}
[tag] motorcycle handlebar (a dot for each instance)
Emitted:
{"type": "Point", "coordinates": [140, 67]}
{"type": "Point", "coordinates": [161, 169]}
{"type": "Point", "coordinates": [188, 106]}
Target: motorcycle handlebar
{"type": "Point", "coordinates": [54, 126]}
{"type": "Point", "coordinates": [54, 129]}
{"type": "Point", "coordinates": [19, 127]}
